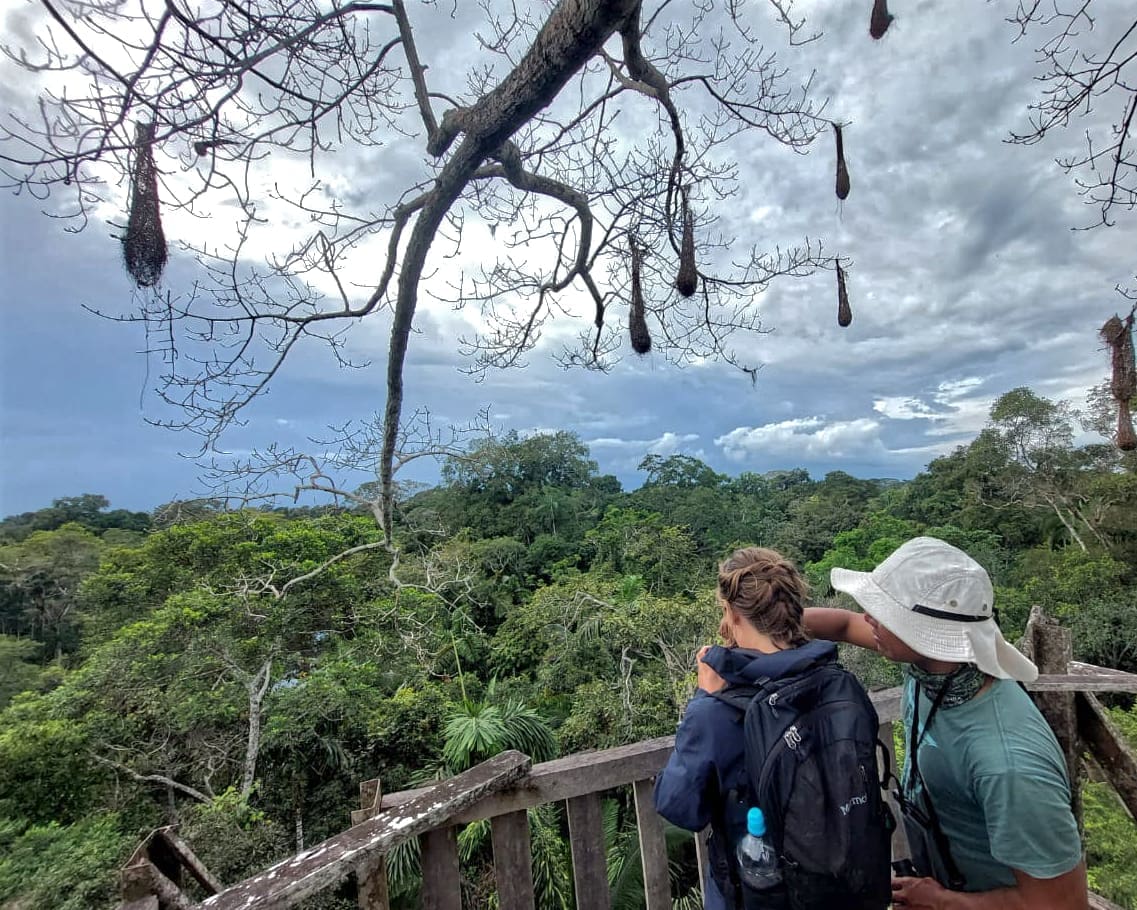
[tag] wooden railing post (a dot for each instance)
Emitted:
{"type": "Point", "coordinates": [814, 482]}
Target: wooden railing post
{"type": "Point", "coordinates": [1051, 647]}
{"type": "Point", "coordinates": [653, 848]}
{"type": "Point", "coordinates": [152, 877]}
{"type": "Point", "coordinates": [371, 875]}
{"type": "Point", "coordinates": [900, 846]}
{"type": "Point", "coordinates": [703, 859]}
{"type": "Point", "coordinates": [589, 862]}
{"type": "Point", "coordinates": [1108, 747]}
{"type": "Point", "coordinates": [441, 877]}
{"type": "Point", "coordinates": [513, 860]}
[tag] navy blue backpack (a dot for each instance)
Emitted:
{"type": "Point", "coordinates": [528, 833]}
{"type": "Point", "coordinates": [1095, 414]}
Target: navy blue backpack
{"type": "Point", "coordinates": [811, 760]}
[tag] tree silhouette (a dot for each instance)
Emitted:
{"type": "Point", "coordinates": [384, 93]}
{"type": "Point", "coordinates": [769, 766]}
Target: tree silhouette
{"type": "Point", "coordinates": [230, 101]}
{"type": "Point", "coordinates": [1077, 76]}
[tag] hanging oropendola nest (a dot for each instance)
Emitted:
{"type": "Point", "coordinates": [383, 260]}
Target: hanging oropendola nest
{"type": "Point", "coordinates": [843, 184]}
{"type": "Point", "coordinates": [1118, 334]}
{"type": "Point", "coordinates": [880, 20]}
{"type": "Point", "coordinates": [688, 278]}
{"type": "Point", "coordinates": [144, 244]}
{"type": "Point", "coordinates": [637, 323]}
{"type": "Point", "coordinates": [844, 311]}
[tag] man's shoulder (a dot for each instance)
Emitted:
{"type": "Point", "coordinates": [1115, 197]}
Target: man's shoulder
{"type": "Point", "coordinates": [1009, 735]}
{"type": "Point", "coordinates": [1016, 711]}
{"type": "Point", "coordinates": [1004, 703]}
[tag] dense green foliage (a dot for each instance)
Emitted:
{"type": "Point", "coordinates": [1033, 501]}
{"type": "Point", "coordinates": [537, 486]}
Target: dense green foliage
{"type": "Point", "coordinates": [175, 670]}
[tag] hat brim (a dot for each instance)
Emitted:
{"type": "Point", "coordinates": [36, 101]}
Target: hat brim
{"type": "Point", "coordinates": [939, 639]}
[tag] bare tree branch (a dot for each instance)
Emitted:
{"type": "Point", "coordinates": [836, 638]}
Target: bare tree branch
{"type": "Point", "coordinates": [1076, 78]}
{"type": "Point", "coordinates": [243, 97]}
{"type": "Point", "coordinates": [153, 778]}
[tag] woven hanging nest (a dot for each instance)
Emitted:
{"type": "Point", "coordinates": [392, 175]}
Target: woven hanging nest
{"type": "Point", "coordinates": [1118, 334]}
{"type": "Point", "coordinates": [637, 322]}
{"type": "Point", "coordinates": [688, 278]}
{"type": "Point", "coordinates": [843, 184]}
{"type": "Point", "coordinates": [144, 245]}
{"type": "Point", "coordinates": [844, 311]}
{"type": "Point", "coordinates": [880, 20]}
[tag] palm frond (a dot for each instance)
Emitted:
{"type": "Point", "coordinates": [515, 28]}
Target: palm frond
{"type": "Point", "coordinates": [588, 632]}
{"type": "Point", "coordinates": [404, 868]}
{"type": "Point", "coordinates": [610, 819]}
{"type": "Point", "coordinates": [431, 772]}
{"type": "Point", "coordinates": [474, 732]}
{"type": "Point", "coordinates": [472, 839]}
{"type": "Point", "coordinates": [527, 731]}
{"type": "Point", "coordinates": [552, 878]}
{"type": "Point", "coordinates": [625, 868]}
{"type": "Point", "coordinates": [631, 587]}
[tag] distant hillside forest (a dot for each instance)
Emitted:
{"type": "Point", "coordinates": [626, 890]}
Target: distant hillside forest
{"type": "Point", "coordinates": [240, 672]}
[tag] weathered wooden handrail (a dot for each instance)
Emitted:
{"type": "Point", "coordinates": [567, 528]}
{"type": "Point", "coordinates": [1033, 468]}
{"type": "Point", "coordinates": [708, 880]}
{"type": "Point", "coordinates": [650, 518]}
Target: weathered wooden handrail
{"type": "Point", "coordinates": [330, 862]}
{"type": "Point", "coordinates": [587, 772]}
{"type": "Point", "coordinates": [1097, 902]}
{"type": "Point", "coordinates": [153, 874]}
{"type": "Point", "coordinates": [1107, 746]}
{"type": "Point", "coordinates": [504, 794]}
{"type": "Point", "coordinates": [579, 779]}
{"type": "Point", "coordinates": [560, 779]}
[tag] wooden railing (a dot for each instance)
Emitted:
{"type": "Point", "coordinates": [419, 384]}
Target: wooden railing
{"type": "Point", "coordinates": [504, 788]}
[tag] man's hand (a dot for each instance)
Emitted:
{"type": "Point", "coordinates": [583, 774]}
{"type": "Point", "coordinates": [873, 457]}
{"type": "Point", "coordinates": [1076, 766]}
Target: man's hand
{"type": "Point", "coordinates": [709, 680]}
{"type": "Point", "coordinates": [1063, 892]}
{"type": "Point", "coordinates": [919, 894]}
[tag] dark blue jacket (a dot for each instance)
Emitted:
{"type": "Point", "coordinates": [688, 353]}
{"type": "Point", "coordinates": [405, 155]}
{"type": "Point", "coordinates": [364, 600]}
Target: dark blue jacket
{"type": "Point", "coordinates": [708, 761]}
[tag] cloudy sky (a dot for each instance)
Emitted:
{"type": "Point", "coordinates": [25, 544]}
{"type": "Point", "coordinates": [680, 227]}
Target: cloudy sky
{"type": "Point", "coordinates": [967, 281]}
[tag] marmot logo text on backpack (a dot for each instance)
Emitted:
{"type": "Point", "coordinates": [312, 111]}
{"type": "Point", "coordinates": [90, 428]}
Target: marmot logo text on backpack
{"type": "Point", "coordinates": [855, 801]}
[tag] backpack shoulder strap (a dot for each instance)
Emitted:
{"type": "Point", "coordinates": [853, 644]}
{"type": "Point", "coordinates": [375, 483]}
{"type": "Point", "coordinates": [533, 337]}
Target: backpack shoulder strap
{"type": "Point", "coordinates": [739, 696]}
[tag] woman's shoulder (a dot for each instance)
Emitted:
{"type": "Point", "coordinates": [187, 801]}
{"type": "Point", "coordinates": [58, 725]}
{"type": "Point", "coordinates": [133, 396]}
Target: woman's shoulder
{"type": "Point", "coordinates": [710, 732]}
{"type": "Point", "coordinates": [707, 709]}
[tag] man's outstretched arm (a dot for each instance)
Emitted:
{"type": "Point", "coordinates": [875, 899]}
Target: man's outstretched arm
{"type": "Point", "coordinates": [839, 625]}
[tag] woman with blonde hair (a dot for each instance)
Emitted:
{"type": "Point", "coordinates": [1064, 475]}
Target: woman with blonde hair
{"type": "Point", "coordinates": [776, 720]}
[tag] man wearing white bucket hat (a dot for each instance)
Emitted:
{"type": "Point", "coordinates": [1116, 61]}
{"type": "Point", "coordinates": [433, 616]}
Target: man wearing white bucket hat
{"type": "Point", "coordinates": [985, 793]}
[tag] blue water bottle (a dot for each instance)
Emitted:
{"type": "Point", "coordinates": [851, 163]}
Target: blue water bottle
{"type": "Point", "coordinates": [757, 860]}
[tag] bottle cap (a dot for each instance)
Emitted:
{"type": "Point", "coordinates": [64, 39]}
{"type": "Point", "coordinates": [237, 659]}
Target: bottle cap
{"type": "Point", "coordinates": [756, 822]}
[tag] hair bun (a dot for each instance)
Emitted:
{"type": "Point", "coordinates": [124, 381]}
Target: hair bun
{"type": "Point", "coordinates": [768, 591]}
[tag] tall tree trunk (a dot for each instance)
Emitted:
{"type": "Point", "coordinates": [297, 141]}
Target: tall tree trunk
{"type": "Point", "coordinates": [297, 812]}
{"type": "Point", "coordinates": [1081, 516]}
{"type": "Point", "coordinates": [257, 686]}
{"type": "Point", "coordinates": [1066, 523]}
{"type": "Point", "coordinates": [574, 33]}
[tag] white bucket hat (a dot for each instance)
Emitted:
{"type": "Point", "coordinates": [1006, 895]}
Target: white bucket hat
{"type": "Point", "coordinates": [938, 601]}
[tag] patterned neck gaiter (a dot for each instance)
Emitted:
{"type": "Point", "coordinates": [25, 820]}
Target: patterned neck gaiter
{"type": "Point", "coordinates": [962, 683]}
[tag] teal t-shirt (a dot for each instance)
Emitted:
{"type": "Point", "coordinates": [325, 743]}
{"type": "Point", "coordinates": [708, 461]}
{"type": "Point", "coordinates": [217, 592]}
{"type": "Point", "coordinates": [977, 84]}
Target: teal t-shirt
{"type": "Point", "coordinates": [998, 781]}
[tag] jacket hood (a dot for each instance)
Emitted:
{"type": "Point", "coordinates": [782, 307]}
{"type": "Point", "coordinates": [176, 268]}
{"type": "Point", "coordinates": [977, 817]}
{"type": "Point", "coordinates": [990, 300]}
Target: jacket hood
{"type": "Point", "coordinates": [739, 666]}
